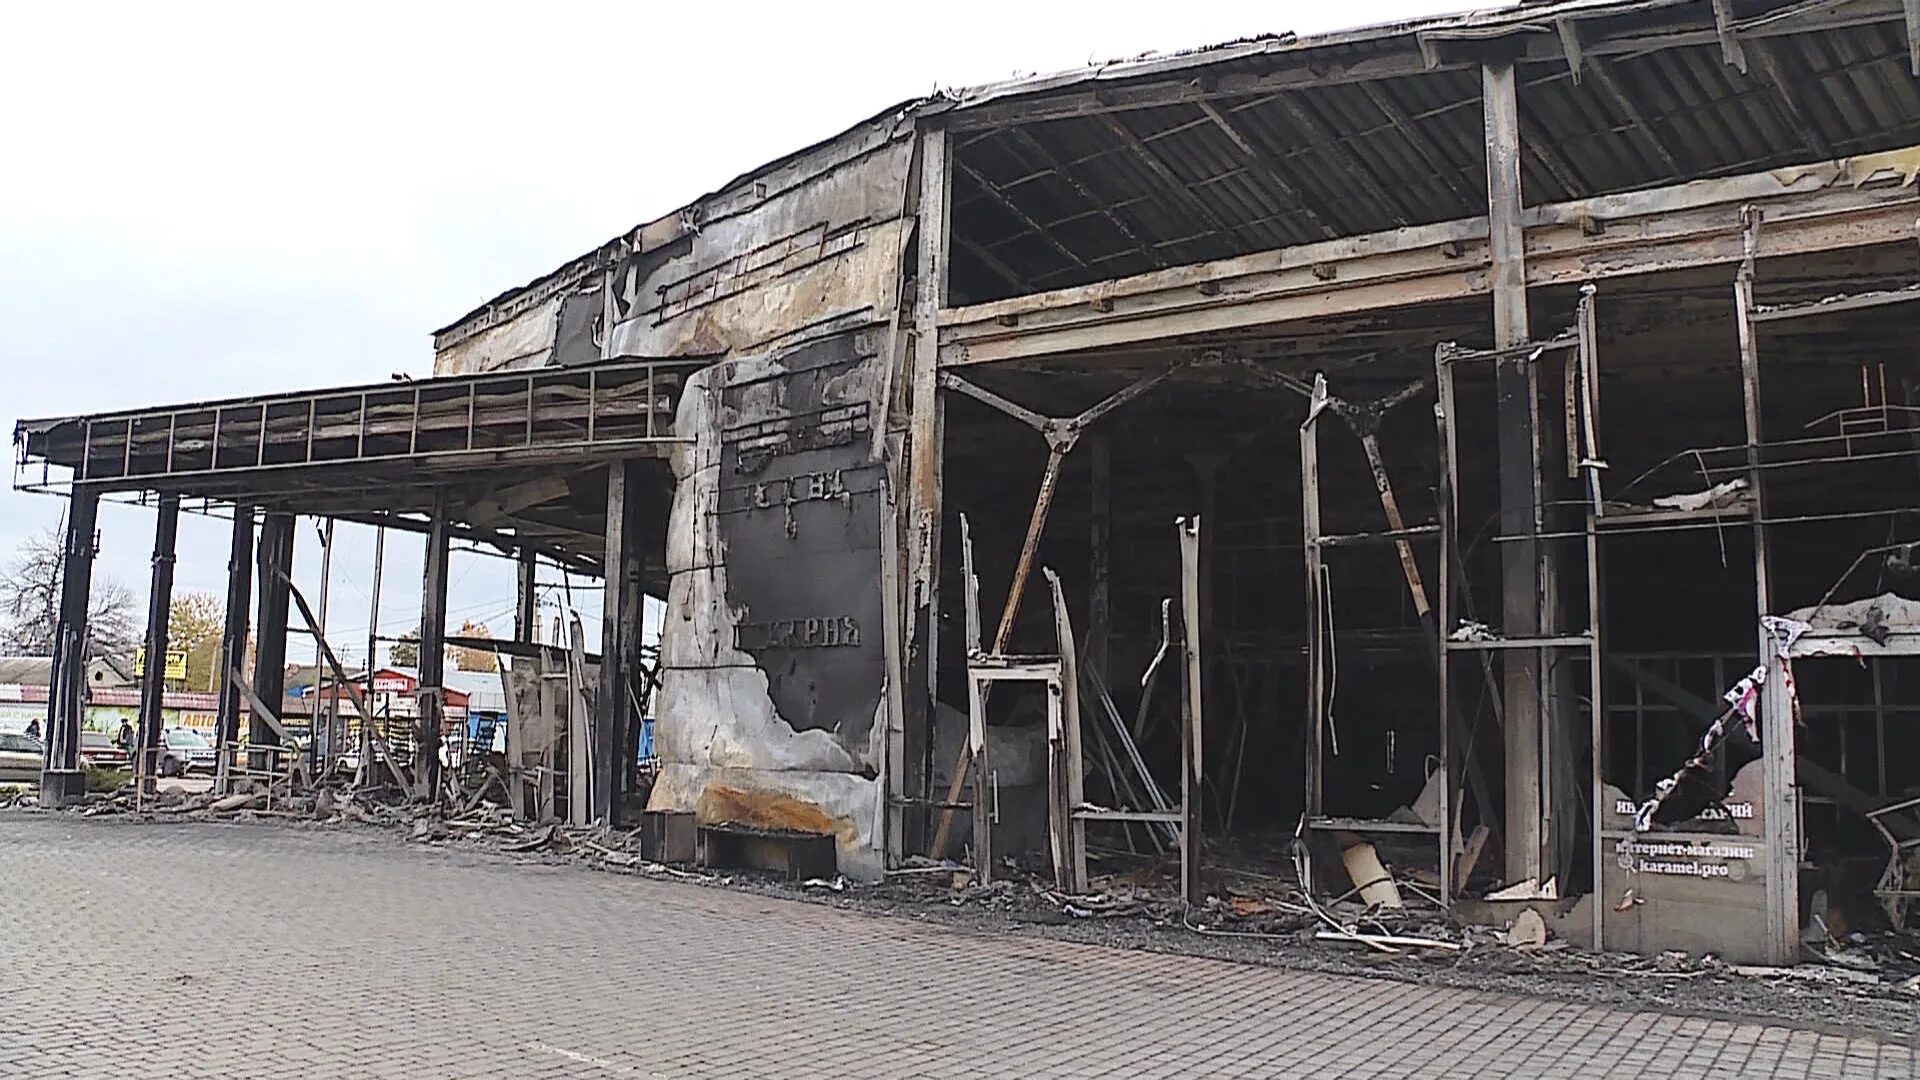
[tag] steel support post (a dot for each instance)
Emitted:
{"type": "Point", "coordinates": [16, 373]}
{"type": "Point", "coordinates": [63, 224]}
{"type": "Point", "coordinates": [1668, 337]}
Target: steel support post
{"type": "Point", "coordinates": [433, 653]}
{"type": "Point", "coordinates": [1318, 648]}
{"type": "Point", "coordinates": [616, 727]}
{"type": "Point", "coordinates": [323, 741]}
{"type": "Point", "coordinates": [1099, 555]}
{"type": "Point", "coordinates": [153, 677]}
{"type": "Point", "coordinates": [270, 646]}
{"type": "Point", "coordinates": [1520, 579]}
{"type": "Point", "coordinates": [368, 769]}
{"type": "Point", "coordinates": [1192, 711]}
{"type": "Point", "coordinates": [526, 606]}
{"type": "Point", "coordinates": [1780, 808]}
{"type": "Point", "coordinates": [922, 504]}
{"type": "Point", "coordinates": [233, 639]}
{"type": "Point", "coordinates": [61, 781]}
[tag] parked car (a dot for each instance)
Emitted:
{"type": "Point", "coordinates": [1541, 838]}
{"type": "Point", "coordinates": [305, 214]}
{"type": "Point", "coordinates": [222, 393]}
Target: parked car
{"type": "Point", "coordinates": [184, 750]}
{"type": "Point", "coordinates": [97, 750]}
{"type": "Point", "coordinates": [21, 757]}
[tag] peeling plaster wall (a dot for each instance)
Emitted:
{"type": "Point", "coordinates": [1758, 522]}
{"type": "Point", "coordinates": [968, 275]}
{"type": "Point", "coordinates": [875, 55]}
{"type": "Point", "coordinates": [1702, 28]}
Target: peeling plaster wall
{"type": "Point", "coordinates": [772, 661]}
{"type": "Point", "coordinates": [801, 250]}
{"type": "Point", "coordinates": [522, 341]}
{"type": "Point", "coordinates": [804, 248]}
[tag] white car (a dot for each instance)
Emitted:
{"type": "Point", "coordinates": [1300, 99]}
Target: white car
{"type": "Point", "coordinates": [184, 750]}
{"type": "Point", "coordinates": [21, 758]}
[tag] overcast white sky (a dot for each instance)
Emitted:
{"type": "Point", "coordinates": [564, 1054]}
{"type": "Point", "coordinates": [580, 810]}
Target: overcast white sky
{"type": "Point", "coordinates": [203, 200]}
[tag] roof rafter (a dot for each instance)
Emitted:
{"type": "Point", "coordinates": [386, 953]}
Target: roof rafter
{"type": "Point", "coordinates": [1067, 176]}
{"type": "Point", "coordinates": [1774, 68]}
{"type": "Point", "coordinates": [1006, 203]}
{"type": "Point", "coordinates": [1195, 205]}
{"type": "Point", "coordinates": [1603, 77]}
{"type": "Point", "coordinates": [995, 263]}
{"type": "Point", "coordinates": [1308, 66]}
{"type": "Point", "coordinates": [1345, 158]}
{"type": "Point", "coordinates": [1535, 143]}
{"type": "Point", "coordinates": [1418, 141]}
{"type": "Point", "coordinates": [1267, 168]}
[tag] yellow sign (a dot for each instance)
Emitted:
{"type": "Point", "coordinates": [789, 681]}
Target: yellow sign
{"type": "Point", "coordinates": [176, 663]}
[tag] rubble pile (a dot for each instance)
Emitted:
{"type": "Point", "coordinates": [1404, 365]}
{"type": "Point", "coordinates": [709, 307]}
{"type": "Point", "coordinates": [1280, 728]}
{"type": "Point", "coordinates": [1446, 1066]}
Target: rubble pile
{"type": "Point", "coordinates": [1254, 916]}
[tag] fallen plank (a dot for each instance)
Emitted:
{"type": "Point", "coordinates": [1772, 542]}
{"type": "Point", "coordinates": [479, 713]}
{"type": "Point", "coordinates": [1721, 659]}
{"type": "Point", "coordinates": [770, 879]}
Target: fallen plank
{"type": "Point", "coordinates": [1391, 941]}
{"type": "Point", "coordinates": [237, 802]}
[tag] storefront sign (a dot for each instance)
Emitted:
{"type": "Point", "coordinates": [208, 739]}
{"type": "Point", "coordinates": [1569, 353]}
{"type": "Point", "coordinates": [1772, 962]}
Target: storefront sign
{"type": "Point", "coordinates": [1733, 811]}
{"type": "Point", "coordinates": [1694, 858]}
{"type": "Point", "coordinates": [175, 669]}
{"type": "Point", "coordinates": [822, 633]}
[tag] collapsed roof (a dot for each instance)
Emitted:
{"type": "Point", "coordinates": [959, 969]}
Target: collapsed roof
{"type": "Point", "coordinates": [1124, 167]}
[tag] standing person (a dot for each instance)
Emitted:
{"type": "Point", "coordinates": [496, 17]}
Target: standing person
{"type": "Point", "coordinates": [33, 728]}
{"type": "Point", "coordinates": [124, 739]}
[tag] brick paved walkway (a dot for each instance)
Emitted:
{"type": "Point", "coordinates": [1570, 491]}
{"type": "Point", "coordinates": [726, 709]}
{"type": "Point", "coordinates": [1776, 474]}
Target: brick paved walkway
{"type": "Point", "coordinates": [237, 951]}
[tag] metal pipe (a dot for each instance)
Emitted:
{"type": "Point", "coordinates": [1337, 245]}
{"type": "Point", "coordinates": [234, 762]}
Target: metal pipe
{"type": "Point", "coordinates": [320, 752]}
{"type": "Point", "coordinates": [373, 649]}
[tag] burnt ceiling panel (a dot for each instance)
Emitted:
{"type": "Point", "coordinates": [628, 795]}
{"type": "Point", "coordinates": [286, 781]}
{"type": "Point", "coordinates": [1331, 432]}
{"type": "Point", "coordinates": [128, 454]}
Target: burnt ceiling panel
{"type": "Point", "coordinates": [1112, 189]}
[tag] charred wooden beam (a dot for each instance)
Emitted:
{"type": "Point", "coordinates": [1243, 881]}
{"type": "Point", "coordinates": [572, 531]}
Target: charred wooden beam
{"type": "Point", "coordinates": [1826, 206]}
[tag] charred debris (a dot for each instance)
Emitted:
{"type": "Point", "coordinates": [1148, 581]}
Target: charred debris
{"type": "Point", "coordinates": [1431, 485]}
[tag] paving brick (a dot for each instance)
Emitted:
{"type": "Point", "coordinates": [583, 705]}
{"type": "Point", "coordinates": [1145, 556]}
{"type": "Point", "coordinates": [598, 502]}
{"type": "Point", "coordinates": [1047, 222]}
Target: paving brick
{"type": "Point", "coordinates": [223, 951]}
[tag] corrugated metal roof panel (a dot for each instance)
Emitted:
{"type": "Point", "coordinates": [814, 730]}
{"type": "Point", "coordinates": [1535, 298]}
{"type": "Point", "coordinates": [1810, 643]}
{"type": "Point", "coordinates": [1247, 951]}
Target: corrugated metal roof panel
{"type": "Point", "coordinates": [1357, 157]}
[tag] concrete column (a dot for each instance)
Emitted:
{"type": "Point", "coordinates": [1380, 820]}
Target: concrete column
{"type": "Point", "coordinates": [233, 639]}
{"type": "Point", "coordinates": [61, 781]}
{"type": "Point", "coordinates": [1518, 441]}
{"type": "Point", "coordinates": [159, 607]}
{"type": "Point", "coordinates": [433, 649]}
{"type": "Point", "coordinates": [270, 648]}
{"type": "Point", "coordinates": [616, 727]}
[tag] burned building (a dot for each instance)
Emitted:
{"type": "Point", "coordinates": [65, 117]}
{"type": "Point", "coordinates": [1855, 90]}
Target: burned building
{"type": "Point", "coordinates": [1471, 448]}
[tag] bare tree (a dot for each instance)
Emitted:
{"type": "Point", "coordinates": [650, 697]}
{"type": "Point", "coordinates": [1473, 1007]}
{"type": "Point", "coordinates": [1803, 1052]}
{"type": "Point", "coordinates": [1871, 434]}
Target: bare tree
{"type": "Point", "coordinates": [406, 651]}
{"type": "Point", "coordinates": [468, 658]}
{"type": "Point", "coordinates": [194, 625]}
{"type": "Point", "coordinates": [30, 603]}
